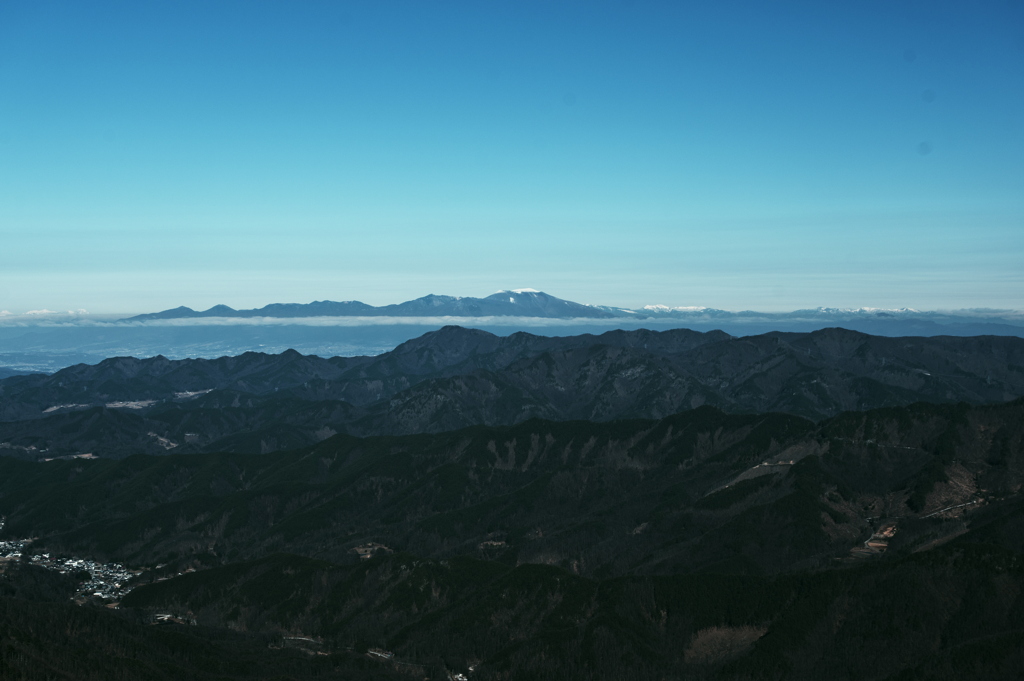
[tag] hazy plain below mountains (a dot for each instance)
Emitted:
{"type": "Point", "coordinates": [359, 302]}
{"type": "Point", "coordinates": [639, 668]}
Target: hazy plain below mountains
{"type": "Point", "coordinates": [457, 377]}
{"type": "Point", "coordinates": [48, 342]}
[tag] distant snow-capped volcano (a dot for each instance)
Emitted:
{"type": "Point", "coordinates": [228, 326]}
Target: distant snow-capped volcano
{"type": "Point", "coordinates": [531, 303]}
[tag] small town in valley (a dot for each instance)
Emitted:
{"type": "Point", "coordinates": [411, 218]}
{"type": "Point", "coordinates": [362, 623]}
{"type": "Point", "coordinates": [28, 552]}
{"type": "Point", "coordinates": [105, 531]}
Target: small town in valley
{"type": "Point", "coordinates": [108, 582]}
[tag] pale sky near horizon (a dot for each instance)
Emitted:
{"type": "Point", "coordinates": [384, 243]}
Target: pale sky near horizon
{"type": "Point", "coordinates": [738, 155]}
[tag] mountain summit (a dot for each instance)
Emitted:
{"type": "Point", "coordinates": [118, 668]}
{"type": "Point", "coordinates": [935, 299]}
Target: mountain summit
{"type": "Point", "coordinates": [524, 302]}
{"type": "Point", "coordinates": [527, 303]}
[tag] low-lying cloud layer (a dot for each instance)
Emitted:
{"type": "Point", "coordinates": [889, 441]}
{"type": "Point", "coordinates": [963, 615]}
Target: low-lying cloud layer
{"type": "Point", "coordinates": [693, 316]}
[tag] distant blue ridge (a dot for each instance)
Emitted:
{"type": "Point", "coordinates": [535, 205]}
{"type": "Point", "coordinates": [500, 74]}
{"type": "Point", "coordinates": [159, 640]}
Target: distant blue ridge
{"type": "Point", "coordinates": [528, 303]}
{"type": "Point", "coordinates": [520, 303]}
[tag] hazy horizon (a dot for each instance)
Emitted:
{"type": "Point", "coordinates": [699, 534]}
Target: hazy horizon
{"type": "Point", "coordinates": [46, 316]}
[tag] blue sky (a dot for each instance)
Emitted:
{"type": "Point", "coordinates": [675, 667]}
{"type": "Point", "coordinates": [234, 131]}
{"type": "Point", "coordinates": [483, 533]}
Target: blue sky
{"type": "Point", "coordinates": [764, 156]}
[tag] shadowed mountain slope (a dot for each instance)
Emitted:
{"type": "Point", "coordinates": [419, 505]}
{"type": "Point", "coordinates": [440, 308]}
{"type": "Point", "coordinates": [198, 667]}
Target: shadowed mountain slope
{"type": "Point", "coordinates": [872, 622]}
{"type": "Point", "coordinates": [884, 544]}
{"type": "Point", "coordinates": [458, 377]}
{"type": "Point", "coordinates": [701, 490]}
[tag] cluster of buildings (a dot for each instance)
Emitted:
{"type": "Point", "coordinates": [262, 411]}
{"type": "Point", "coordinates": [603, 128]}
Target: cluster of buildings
{"type": "Point", "coordinates": [11, 550]}
{"type": "Point", "coordinates": [108, 581]}
{"type": "Point", "coordinates": [367, 551]}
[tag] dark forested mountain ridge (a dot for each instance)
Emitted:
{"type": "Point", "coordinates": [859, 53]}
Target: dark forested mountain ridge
{"type": "Point", "coordinates": [497, 621]}
{"type": "Point", "coordinates": [633, 505]}
{"type": "Point", "coordinates": [48, 640]}
{"type": "Point", "coordinates": [458, 377]}
{"type": "Point", "coordinates": [703, 545]}
{"type": "Point", "coordinates": [701, 490]}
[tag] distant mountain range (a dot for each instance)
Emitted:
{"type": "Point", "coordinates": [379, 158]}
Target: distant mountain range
{"type": "Point", "coordinates": [530, 303]}
{"type": "Point", "coordinates": [517, 303]}
{"type": "Point", "coordinates": [47, 343]}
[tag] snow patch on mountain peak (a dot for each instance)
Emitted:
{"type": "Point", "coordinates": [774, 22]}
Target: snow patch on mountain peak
{"type": "Point", "coordinates": [865, 310]}
{"type": "Point", "coordinates": [666, 308]}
